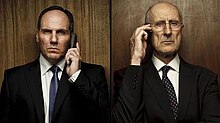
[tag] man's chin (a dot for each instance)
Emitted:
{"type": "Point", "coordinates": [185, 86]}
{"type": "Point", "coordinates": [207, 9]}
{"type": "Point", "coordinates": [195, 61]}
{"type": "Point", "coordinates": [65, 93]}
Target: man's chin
{"type": "Point", "coordinates": [54, 58]}
{"type": "Point", "coordinates": [169, 50]}
{"type": "Point", "coordinates": [169, 53]}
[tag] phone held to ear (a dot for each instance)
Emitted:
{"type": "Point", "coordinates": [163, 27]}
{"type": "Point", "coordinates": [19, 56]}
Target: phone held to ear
{"type": "Point", "coordinates": [73, 44]}
{"type": "Point", "coordinates": [149, 32]}
{"type": "Point", "coordinates": [73, 41]}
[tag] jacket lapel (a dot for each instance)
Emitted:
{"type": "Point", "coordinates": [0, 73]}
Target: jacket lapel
{"type": "Point", "coordinates": [186, 77]}
{"type": "Point", "coordinates": [152, 78]}
{"type": "Point", "coordinates": [33, 80]}
{"type": "Point", "coordinates": [62, 92]}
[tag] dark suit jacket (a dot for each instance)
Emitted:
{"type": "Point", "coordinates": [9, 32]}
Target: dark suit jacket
{"type": "Point", "coordinates": [87, 100]}
{"type": "Point", "coordinates": [143, 99]}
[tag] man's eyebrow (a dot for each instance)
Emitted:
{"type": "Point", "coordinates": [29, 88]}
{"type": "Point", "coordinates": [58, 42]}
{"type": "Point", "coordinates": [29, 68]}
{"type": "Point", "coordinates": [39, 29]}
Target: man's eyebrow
{"type": "Point", "coordinates": [45, 29]}
{"type": "Point", "coordinates": [55, 29]}
{"type": "Point", "coordinates": [62, 30]}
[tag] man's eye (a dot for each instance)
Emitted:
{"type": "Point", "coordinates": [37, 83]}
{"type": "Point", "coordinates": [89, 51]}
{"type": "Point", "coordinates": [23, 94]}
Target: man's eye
{"type": "Point", "coordinates": [160, 24]}
{"type": "Point", "coordinates": [62, 32]}
{"type": "Point", "coordinates": [47, 31]}
{"type": "Point", "coordinates": [174, 23]}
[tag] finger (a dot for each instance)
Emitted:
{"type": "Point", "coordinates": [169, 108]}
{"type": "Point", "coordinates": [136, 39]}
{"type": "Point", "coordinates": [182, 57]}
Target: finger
{"type": "Point", "coordinates": [75, 54]}
{"type": "Point", "coordinates": [141, 37]}
{"type": "Point", "coordinates": [144, 27]}
{"type": "Point", "coordinates": [77, 46]}
{"type": "Point", "coordinates": [145, 45]}
{"type": "Point", "coordinates": [145, 35]}
{"type": "Point", "coordinates": [70, 54]}
{"type": "Point", "coordinates": [73, 50]}
{"type": "Point", "coordinates": [142, 30]}
{"type": "Point", "coordinates": [67, 59]}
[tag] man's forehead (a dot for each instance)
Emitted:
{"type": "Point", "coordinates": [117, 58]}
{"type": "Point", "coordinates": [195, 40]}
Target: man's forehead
{"type": "Point", "coordinates": [163, 5]}
{"type": "Point", "coordinates": [165, 16]}
{"type": "Point", "coordinates": [164, 11]}
{"type": "Point", "coordinates": [55, 18]}
{"type": "Point", "coordinates": [54, 13]}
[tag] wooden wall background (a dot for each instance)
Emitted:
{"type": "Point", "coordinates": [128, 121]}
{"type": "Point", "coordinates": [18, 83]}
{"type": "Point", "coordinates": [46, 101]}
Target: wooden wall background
{"type": "Point", "coordinates": [200, 45]}
{"type": "Point", "coordinates": [18, 28]}
{"type": "Point", "coordinates": [201, 40]}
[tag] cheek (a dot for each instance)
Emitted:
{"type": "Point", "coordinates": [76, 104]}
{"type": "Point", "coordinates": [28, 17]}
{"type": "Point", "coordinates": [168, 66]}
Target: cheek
{"type": "Point", "coordinates": [42, 43]}
{"type": "Point", "coordinates": [64, 45]}
{"type": "Point", "coordinates": [43, 39]}
{"type": "Point", "coordinates": [178, 39]}
{"type": "Point", "coordinates": [155, 40]}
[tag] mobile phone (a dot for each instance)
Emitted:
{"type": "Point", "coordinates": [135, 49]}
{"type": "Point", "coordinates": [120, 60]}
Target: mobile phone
{"type": "Point", "coordinates": [149, 50]}
{"type": "Point", "coordinates": [73, 41]}
{"type": "Point", "coordinates": [72, 44]}
{"type": "Point", "coordinates": [149, 35]}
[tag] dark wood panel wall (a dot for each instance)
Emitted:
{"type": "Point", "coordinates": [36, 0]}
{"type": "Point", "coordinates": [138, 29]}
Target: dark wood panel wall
{"type": "Point", "coordinates": [18, 28]}
{"type": "Point", "coordinates": [201, 38]}
{"type": "Point", "coordinates": [200, 45]}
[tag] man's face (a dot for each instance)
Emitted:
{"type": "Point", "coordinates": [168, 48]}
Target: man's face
{"type": "Point", "coordinates": [166, 41]}
{"type": "Point", "coordinates": [53, 36]}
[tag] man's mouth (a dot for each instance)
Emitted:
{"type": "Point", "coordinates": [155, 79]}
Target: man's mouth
{"type": "Point", "coordinates": [53, 49]}
{"type": "Point", "coordinates": [167, 42]}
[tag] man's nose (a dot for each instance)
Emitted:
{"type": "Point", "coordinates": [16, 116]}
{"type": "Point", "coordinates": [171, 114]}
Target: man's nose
{"type": "Point", "coordinates": [54, 37]}
{"type": "Point", "coordinates": [167, 29]}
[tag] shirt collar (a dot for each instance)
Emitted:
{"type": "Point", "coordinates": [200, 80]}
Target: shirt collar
{"type": "Point", "coordinates": [46, 65]}
{"type": "Point", "coordinates": [174, 63]}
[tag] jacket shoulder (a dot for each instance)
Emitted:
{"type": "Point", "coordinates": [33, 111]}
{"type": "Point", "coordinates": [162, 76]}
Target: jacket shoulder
{"type": "Point", "coordinates": [20, 69]}
{"type": "Point", "coordinates": [197, 67]}
{"type": "Point", "coordinates": [200, 71]}
{"type": "Point", "coordinates": [90, 67]}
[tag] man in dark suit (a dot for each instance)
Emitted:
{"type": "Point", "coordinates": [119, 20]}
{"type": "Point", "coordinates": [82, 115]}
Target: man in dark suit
{"type": "Point", "coordinates": [57, 87]}
{"type": "Point", "coordinates": [164, 88]}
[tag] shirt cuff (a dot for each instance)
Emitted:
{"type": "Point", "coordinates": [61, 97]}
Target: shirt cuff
{"type": "Point", "coordinates": [73, 78]}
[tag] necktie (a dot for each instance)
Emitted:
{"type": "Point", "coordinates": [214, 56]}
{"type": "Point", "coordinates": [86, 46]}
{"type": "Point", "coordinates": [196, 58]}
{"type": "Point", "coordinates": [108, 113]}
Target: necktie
{"type": "Point", "coordinates": [170, 90]}
{"type": "Point", "coordinates": [53, 90]}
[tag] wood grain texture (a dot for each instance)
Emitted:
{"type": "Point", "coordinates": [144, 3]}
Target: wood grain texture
{"type": "Point", "coordinates": [201, 38]}
{"type": "Point", "coordinates": [18, 28]}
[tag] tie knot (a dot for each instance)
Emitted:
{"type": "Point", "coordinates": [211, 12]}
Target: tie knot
{"type": "Point", "coordinates": [165, 69]}
{"type": "Point", "coordinates": [54, 69]}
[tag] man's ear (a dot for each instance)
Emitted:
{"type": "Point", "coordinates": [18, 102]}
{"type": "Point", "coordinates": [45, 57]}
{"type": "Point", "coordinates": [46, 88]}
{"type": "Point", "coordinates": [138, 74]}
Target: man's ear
{"type": "Point", "coordinates": [182, 29]}
{"type": "Point", "coordinates": [37, 36]}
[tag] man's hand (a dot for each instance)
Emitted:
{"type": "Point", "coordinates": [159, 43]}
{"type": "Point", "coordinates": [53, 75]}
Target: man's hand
{"type": "Point", "coordinates": [138, 44]}
{"type": "Point", "coordinates": [73, 60]}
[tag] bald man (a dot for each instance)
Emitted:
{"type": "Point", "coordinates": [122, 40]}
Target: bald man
{"type": "Point", "coordinates": [159, 86]}
{"type": "Point", "coordinates": [57, 87]}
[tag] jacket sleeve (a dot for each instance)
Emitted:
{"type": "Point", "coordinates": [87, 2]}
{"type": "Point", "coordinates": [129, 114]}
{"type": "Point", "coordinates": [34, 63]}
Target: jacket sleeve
{"type": "Point", "coordinates": [129, 103]}
{"type": "Point", "coordinates": [92, 84]}
{"type": "Point", "coordinates": [209, 95]}
{"type": "Point", "coordinates": [209, 99]}
{"type": "Point", "coordinates": [4, 101]}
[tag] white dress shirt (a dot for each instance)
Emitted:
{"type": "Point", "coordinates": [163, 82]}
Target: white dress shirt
{"type": "Point", "coordinates": [173, 74]}
{"type": "Point", "coordinates": [46, 76]}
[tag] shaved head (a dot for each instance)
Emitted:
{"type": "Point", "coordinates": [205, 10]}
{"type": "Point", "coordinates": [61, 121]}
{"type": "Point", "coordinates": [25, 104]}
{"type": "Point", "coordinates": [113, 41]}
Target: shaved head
{"type": "Point", "coordinates": [157, 7]}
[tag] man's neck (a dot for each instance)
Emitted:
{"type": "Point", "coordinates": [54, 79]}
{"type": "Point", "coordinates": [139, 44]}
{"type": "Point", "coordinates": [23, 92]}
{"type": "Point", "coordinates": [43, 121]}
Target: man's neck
{"type": "Point", "coordinates": [165, 58]}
